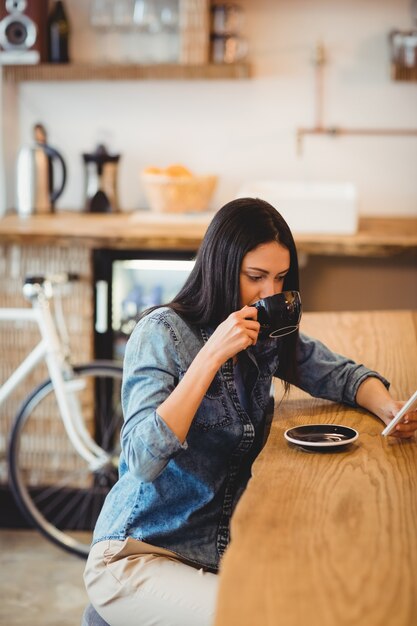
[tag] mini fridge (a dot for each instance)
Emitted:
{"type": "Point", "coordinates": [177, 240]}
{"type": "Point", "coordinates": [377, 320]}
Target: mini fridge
{"type": "Point", "coordinates": [125, 284]}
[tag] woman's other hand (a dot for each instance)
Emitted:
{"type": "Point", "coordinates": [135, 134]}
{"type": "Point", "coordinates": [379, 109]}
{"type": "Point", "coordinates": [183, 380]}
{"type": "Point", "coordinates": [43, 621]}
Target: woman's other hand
{"type": "Point", "coordinates": [238, 331]}
{"type": "Point", "coordinates": [373, 396]}
{"type": "Point", "coordinates": [407, 426]}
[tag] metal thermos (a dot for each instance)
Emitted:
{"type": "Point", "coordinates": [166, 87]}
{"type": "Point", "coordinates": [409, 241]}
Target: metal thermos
{"type": "Point", "coordinates": [101, 169]}
{"type": "Point", "coordinates": [35, 191]}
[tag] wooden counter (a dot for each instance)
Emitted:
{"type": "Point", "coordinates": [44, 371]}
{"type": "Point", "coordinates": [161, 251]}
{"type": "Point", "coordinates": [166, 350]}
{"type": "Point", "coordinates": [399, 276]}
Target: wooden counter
{"type": "Point", "coordinates": [377, 237]}
{"type": "Point", "coordinates": [330, 539]}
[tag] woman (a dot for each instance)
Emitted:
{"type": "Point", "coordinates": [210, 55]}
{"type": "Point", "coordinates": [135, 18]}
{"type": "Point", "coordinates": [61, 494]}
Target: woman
{"type": "Point", "coordinates": [196, 400]}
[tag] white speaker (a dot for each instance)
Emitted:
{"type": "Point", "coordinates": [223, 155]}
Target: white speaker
{"type": "Point", "coordinates": [23, 31]}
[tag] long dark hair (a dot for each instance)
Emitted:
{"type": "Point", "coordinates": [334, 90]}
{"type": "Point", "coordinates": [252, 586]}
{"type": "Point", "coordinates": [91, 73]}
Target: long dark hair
{"type": "Point", "coordinates": [212, 290]}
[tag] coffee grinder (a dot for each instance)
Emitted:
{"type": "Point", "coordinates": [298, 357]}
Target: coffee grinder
{"type": "Point", "coordinates": [101, 171]}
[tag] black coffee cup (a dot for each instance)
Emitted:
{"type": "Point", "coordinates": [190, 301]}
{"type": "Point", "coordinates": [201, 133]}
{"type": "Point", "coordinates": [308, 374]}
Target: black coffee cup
{"type": "Point", "coordinates": [280, 314]}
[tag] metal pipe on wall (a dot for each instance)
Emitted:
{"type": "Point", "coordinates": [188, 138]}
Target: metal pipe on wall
{"type": "Point", "coordinates": [320, 61]}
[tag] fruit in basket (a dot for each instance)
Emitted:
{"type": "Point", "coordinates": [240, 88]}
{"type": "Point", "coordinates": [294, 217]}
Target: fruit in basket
{"type": "Point", "coordinates": [177, 170]}
{"type": "Point", "coordinates": [175, 189]}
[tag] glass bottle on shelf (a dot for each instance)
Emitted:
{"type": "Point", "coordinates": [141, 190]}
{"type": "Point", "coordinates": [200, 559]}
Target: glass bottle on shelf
{"type": "Point", "coordinates": [58, 29]}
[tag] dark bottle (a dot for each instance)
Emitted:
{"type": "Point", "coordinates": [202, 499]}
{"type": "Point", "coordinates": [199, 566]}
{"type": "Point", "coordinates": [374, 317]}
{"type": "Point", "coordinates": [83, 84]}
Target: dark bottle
{"type": "Point", "coordinates": [58, 34]}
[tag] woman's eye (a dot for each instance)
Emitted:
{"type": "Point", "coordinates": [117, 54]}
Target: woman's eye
{"type": "Point", "coordinates": [255, 279]}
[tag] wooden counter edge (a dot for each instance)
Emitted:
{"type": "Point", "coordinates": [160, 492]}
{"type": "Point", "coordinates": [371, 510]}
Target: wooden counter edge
{"type": "Point", "coordinates": [376, 236]}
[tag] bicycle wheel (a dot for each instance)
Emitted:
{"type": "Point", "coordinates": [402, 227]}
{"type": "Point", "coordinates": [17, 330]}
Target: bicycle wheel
{"type": "Point", "coordinates": [54, 487]}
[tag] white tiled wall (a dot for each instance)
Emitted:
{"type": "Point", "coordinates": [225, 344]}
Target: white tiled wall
{"type": "Point", "coordinates": [246, 130]}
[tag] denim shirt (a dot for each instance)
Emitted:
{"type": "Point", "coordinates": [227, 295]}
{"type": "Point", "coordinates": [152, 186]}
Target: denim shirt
{"type": "Point", "coordinates": [180, 496]}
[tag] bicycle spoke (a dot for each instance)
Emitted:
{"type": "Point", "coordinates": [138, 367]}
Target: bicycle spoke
{"type": "Point", "coordinates": [48, 491]}
{"type": "Point", "coordinates": [65, 509]}
{"type": "Point", "coordinates": [84, 511]}
{"type": "Point", "coordinates": [51, 505]}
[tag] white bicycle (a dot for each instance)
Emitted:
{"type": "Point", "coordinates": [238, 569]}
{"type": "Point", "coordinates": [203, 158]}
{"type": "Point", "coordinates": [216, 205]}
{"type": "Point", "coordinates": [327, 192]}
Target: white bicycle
{"type": "Point", "coordinates": [64, 443]}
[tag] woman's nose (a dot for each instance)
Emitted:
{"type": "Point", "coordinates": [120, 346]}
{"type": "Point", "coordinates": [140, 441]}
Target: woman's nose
{"type": "Point", "coordinates": [270, 290]}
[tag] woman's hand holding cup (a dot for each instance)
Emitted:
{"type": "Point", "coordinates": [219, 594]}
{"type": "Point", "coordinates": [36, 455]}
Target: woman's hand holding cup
{"type": "Point", "coordinates": [238, 331]}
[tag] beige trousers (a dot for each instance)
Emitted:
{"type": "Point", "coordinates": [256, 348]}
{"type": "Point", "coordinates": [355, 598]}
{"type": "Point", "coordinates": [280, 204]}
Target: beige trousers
{"type": "Point", "coordinates": [131, 583]}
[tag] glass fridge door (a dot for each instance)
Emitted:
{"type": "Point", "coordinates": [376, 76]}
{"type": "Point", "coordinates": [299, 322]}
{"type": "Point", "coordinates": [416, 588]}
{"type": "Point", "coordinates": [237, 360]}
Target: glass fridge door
{"type": "Point", "coordinates": [138, 284]}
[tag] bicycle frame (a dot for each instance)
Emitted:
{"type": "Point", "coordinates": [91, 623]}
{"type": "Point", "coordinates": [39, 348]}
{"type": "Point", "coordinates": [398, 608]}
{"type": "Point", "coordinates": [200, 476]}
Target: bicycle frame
{"type": "Point", "coordinates": [50, 349]}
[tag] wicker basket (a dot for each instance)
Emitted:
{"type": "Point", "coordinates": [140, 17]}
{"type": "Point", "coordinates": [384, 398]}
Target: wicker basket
{"type": "Point", "coordinates": [180, 194]}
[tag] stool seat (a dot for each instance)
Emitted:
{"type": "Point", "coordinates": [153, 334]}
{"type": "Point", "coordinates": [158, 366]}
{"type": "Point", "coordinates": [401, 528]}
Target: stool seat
{"type": "Point", "coordinates": [92, 618]}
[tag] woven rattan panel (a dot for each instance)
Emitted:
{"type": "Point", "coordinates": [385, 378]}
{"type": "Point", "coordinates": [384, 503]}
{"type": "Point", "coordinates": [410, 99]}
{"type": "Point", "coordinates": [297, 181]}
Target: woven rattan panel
{"type": "Point", "coordinates": [194, 31]}
{"type": "Point", "coordinates": [18, 338]}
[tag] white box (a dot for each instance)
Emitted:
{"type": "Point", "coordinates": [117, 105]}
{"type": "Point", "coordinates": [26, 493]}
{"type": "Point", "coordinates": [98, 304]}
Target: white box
{"type": "Point", "coordinates": [325, 208]}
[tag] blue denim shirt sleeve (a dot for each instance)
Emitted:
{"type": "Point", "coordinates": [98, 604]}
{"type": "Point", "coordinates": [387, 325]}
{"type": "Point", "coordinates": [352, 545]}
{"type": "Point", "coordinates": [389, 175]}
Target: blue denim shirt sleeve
{"type": "Point", "coordinates": [150, 374]}
{"type": "Point", "coordinates": [326, 374]}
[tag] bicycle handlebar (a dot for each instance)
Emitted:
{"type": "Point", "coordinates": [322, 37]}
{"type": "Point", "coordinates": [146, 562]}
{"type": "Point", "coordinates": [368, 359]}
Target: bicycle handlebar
{"type": "Point", "coordinates": [55, 279]}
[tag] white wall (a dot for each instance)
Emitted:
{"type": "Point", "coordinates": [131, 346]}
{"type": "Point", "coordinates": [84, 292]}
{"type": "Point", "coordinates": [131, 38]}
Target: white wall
{"type": "Point", "coordinates": [247, 129]}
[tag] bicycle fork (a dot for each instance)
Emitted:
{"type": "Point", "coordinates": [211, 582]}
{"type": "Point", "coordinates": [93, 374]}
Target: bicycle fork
{"type": "Point", "coordinates": [65, 390]}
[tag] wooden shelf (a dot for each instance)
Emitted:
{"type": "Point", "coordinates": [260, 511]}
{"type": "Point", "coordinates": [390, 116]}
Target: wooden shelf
{"type": "Point", "coordinates": [405, 74]}
{"type": "Point", "coordinates": [97, 71]}
{"type": "Point", "coordinates": [376, 236]}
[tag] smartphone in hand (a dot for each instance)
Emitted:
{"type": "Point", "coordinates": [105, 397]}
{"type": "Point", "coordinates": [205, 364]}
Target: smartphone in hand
{"type": "Point", "coordinates": [408, 406]}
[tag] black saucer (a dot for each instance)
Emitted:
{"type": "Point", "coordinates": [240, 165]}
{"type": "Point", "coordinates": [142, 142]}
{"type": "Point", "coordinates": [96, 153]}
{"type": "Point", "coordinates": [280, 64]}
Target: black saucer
{"type": "Point", "coordinates": [321, 437]}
